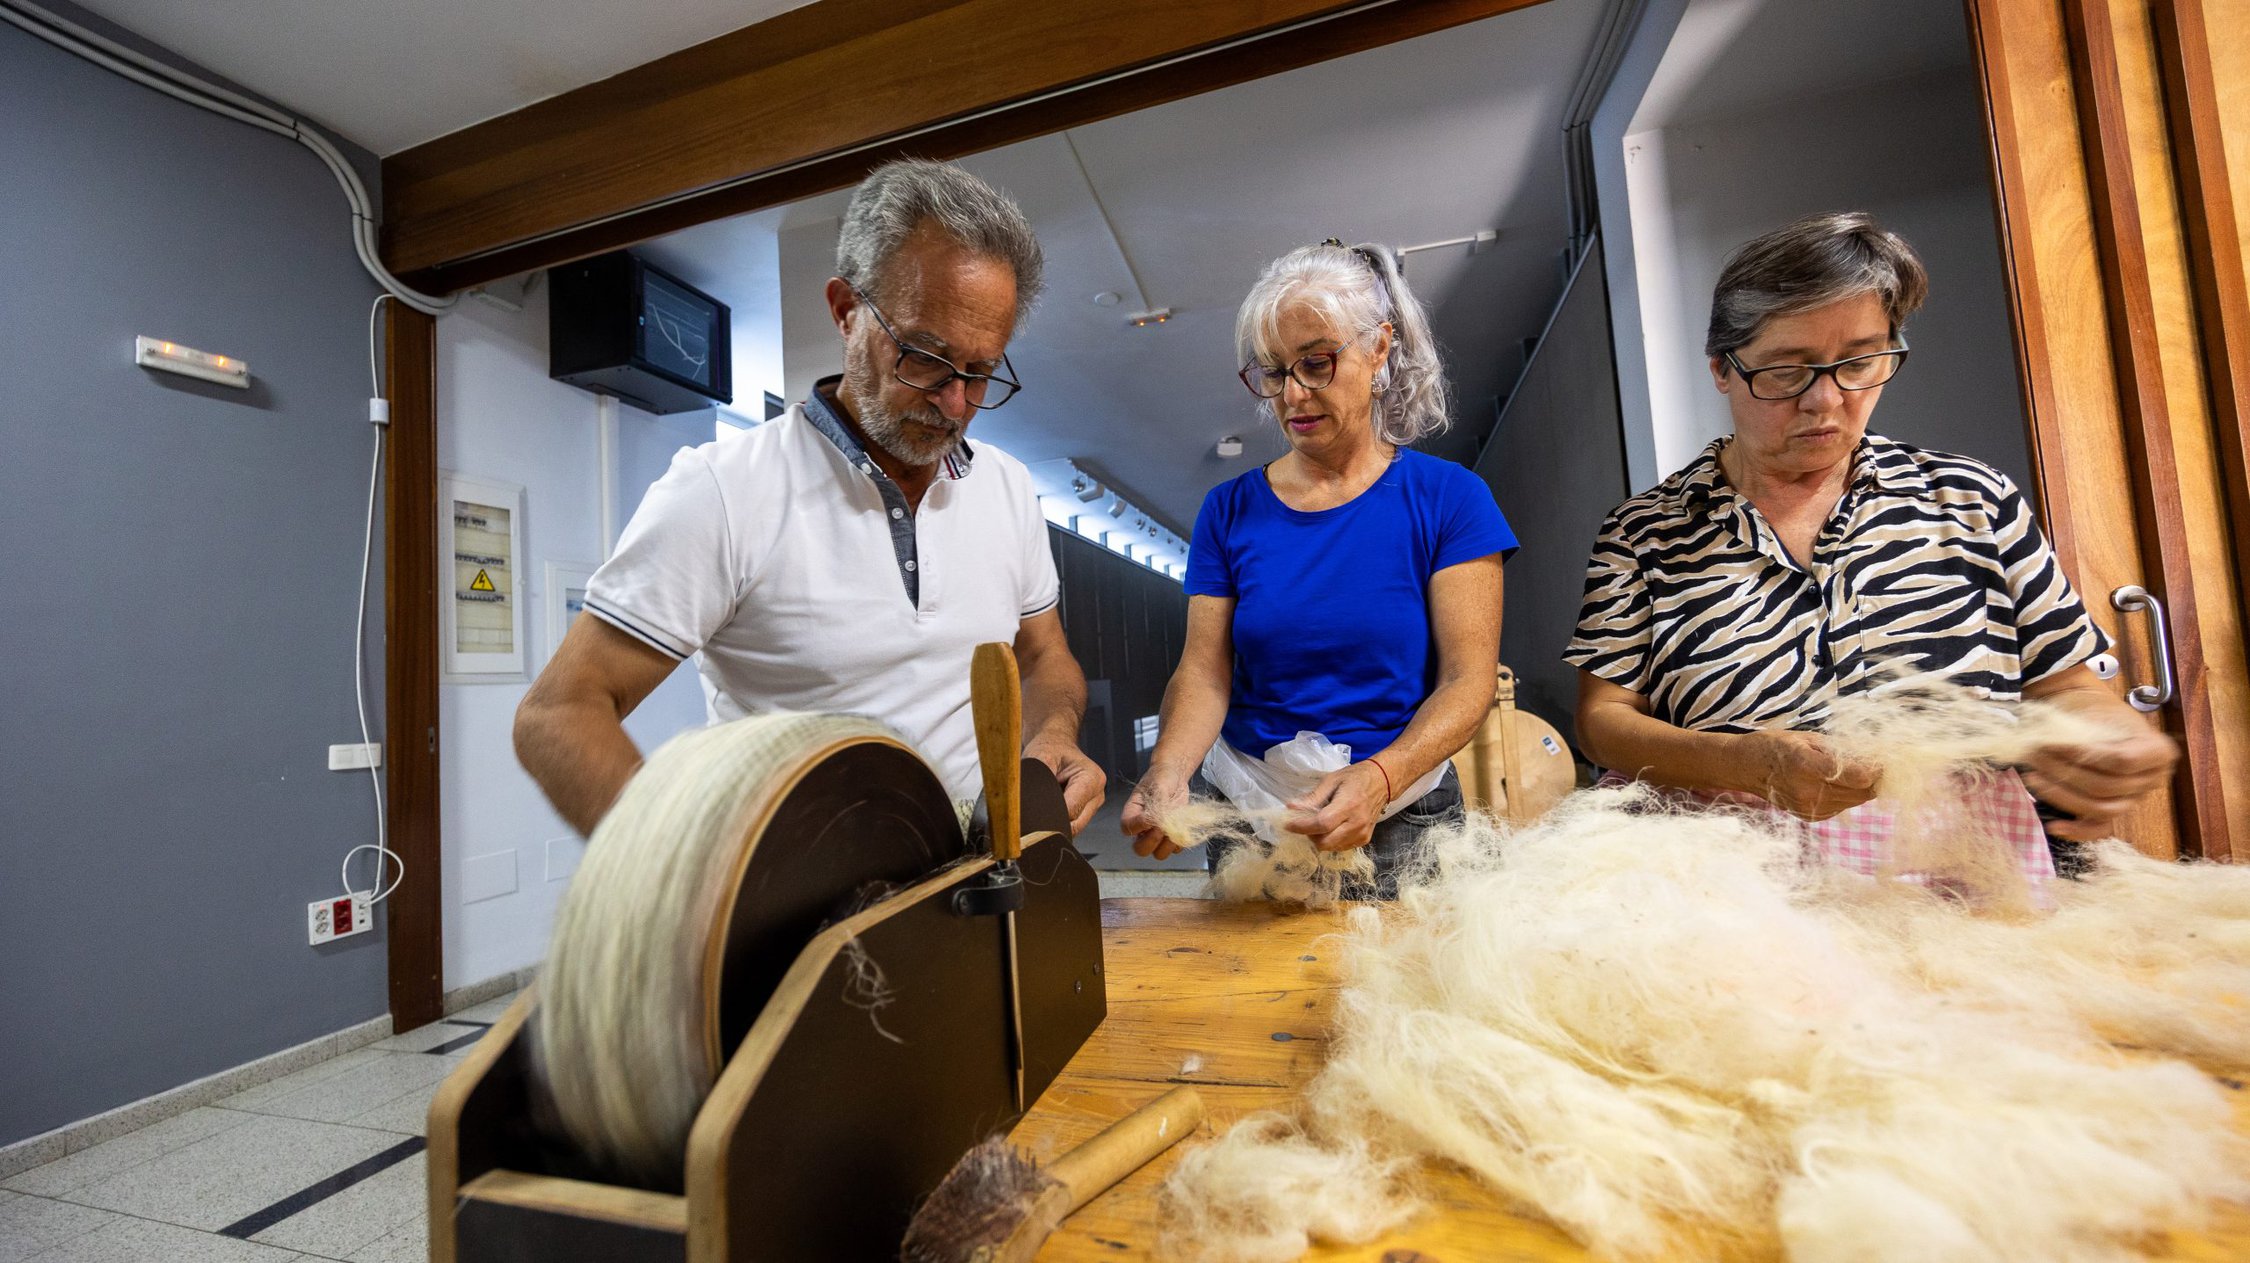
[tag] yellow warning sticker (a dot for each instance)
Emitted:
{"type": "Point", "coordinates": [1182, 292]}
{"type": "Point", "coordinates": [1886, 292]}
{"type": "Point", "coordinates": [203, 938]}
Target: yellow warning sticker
{"type": "Point", "coordinates": [482, 583]}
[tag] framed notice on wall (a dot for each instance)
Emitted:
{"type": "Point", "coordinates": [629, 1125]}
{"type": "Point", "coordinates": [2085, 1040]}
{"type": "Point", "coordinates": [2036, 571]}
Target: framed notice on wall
{"type": "Point", "coordinates": [481, 532]}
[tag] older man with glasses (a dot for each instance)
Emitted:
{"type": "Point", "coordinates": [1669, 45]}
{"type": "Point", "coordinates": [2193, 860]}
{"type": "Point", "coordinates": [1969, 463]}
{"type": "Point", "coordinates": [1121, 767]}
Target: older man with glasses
{"type": "Point", "coordinates": [849, 555]}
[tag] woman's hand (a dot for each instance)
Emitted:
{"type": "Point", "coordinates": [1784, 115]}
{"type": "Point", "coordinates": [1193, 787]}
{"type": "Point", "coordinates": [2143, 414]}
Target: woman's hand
{"type": "Point", "coordinates": [1341, 811]}
{"type": "Point", "coordinates": [1801, 774]}
{"type": "Point", "coordinates": [2099, 781]}
{"type": "Point", "coordinates": [1154, 800]}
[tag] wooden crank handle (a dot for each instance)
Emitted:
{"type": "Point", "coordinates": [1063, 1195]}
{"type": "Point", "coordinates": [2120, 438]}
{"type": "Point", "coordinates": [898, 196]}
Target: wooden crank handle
{"type": "Point", "coordinates": [996, 704]}
{"type": "Point", "coordinates": [1088, 1171]}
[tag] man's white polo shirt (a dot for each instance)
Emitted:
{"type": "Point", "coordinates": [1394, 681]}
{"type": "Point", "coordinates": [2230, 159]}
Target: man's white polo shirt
{"type": "Point", "coordinates": [769, 555]}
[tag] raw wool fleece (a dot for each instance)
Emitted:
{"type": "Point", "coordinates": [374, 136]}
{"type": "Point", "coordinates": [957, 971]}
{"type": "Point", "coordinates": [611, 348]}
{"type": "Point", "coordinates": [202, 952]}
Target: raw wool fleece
{"type": "Point", "coordinates": [1287, 870]}
{"type": "Point", "coordinates": [619, 1043]}
{"type": "Point", "coordinates": [1665, 1033]}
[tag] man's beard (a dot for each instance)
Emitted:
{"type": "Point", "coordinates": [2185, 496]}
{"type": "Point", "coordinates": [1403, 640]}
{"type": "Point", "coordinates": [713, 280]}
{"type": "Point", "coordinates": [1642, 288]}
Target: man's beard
{"type": "Point", "coordinates": [918, 438]}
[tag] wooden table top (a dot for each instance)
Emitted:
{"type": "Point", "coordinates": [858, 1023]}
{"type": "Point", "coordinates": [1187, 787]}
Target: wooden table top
{"type": "Point", "coordinates": [1235, 999]}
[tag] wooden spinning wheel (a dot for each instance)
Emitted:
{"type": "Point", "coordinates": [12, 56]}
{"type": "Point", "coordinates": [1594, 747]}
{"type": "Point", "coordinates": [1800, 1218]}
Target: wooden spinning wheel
{"type": "Point", "coordinates": [835, 1111]}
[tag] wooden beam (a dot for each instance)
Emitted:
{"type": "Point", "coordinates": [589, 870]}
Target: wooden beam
{"type": "Point", "coordinates": [808, 101]}
{"type": "Point", "coordinates": [2138, 362]}
{"type": "Point", "coordinates": [410, 666]}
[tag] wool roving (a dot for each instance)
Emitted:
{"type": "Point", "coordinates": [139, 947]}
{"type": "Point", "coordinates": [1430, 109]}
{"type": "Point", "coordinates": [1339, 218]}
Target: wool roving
{"type": "Point", "coordinates": [1662, 1030]}
{"type": "Point", "coordinates": [1287, 869]}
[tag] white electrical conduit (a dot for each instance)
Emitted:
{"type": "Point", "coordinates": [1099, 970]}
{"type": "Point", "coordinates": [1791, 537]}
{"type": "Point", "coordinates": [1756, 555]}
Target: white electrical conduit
{"type": "Point", "coordinates": [379, 417]}
{"type": "Point", "coordinates": [605, 427]}
{"type": "Point", "coordinates": [203, 94]}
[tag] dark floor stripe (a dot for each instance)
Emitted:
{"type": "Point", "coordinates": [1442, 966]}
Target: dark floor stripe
{"type": "Point", "coordinates": [258, 1221]}
{"type": "Point", "coordinates": [454, 1045]}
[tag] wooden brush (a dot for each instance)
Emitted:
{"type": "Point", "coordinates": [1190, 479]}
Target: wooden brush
{"type": "Point", "coordinates": [998, 1206]}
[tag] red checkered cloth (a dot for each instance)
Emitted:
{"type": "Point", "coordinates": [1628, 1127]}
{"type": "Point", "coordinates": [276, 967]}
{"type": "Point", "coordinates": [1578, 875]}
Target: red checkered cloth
{"type": "Point", "coordinates": [1995, 805]}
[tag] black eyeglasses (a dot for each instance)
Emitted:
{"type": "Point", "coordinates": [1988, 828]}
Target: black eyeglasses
{"type": "Point", "coordinates": [1313, 372]}
{"type": "Point", "coordinates": [922, 370]}
{"type": "Point", "coordinates": [1787, 381]}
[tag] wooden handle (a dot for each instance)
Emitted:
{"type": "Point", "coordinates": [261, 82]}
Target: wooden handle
{"type": "Point", "coordinates": [1517, 805]}
{"type": "Point", "coordinates": [996, 702]}
{"type": "Point", "coordinates": [1088, 1171]}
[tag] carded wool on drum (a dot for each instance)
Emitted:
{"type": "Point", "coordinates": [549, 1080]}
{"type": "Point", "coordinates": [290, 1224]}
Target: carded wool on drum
{"type": "Point", "coordinates": [1288, 869]}
{"type": "Point", "coordinates": [620, 1053]}
{"type": "Point", "coordinates": [1663, 1031]}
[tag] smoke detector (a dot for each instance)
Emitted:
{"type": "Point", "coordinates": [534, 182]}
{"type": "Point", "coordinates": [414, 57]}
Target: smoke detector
{"type": "Point", "coordinates": [1230, 446]}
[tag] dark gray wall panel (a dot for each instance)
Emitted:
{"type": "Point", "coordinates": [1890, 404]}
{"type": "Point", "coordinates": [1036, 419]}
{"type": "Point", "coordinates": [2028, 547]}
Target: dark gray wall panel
{"type": "Point", "coordinates": [179, 564]}
{"type": "Point", "coordinates": [1556, 464]}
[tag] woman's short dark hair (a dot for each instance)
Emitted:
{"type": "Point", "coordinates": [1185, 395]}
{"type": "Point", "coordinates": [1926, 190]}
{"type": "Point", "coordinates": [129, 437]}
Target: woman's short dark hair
{"type": "Point", "coordinates": [1818, 260]}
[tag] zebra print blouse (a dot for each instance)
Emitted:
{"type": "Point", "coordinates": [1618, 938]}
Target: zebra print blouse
{"type": "Point", "coordinates": [1929, 561]}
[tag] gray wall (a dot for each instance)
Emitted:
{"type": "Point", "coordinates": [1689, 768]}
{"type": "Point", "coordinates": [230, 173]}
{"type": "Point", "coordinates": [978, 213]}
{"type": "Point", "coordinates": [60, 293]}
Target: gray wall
{"type": "Point", "coordinates": [1556, 464]}
{"type": "Point", "coordinates": [1916, 158]}
{"type": "Point", "coordinates": [180, 563]}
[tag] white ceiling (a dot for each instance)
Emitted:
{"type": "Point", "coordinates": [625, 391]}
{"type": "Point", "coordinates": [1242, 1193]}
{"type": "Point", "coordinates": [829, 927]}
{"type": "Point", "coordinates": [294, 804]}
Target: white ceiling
{"type": "Point", "coordinates": [1430, 139]}
{"type": "Point", "coordinates": [1433, 138]}
{"type": "Point", "coordinates": [1731, 57]}
{"type": "Point", "coordinates": [390, 74]}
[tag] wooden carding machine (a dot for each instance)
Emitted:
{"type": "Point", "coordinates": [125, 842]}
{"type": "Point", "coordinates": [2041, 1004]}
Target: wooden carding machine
{"type": "Point", "coordinates": [828, 1123]}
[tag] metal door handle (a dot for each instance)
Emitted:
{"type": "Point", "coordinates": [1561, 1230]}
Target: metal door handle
{"type": "Point", "coordinates": [2148, 697]}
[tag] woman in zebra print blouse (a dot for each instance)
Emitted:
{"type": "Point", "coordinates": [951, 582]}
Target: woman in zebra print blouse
{"type": "Point", "coordinates": [1796, 559]}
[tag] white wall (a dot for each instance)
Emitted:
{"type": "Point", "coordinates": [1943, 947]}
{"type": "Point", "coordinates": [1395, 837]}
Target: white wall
{"type": "Point", "coordinates": [507, 857]}
{"type": "Point", "coordinates": [1911, 151]}
{"type": "Point", "coordinates": [810, 347]}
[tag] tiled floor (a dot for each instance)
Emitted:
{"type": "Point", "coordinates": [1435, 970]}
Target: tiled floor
{"type": "Point", "coordinates": [325, 1163]}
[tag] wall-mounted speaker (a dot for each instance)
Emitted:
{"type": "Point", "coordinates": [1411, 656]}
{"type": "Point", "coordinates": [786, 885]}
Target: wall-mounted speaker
{"type": "Point", "coordinates": [619, 326]}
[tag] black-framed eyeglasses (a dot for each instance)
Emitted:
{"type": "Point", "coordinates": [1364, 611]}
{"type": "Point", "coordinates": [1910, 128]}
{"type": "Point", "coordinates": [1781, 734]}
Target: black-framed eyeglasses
{"type": "Point", "coordinates": [1313, 372]}
{"type": "Point", "coordinates": [1787, 381]}
{"type": "Point", "coordinates": [923, 370]}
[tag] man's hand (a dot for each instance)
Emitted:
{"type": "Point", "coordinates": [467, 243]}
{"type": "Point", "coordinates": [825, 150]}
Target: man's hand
{"type": "Point", "coordinates": [1341, 811]}
{"type": "Point", "coordinates": [1801, 774]}
{"type": "Point", "coordinates": [2098, 781]}
{"type": "Point", "coordinates": [1082, 779]}
{"type": "Point", "coordinates": [1153, 801]}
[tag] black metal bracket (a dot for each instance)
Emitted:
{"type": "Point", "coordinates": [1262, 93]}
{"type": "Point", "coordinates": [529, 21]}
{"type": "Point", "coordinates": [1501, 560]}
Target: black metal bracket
{"type": "Point", "coordinates": [1000, 892]}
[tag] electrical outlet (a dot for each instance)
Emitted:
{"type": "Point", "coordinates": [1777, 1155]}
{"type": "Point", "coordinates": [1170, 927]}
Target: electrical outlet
{"type": "Point", "coordinates": [357, 755]}
{"type": "Point", "coordinates": [327, 920]}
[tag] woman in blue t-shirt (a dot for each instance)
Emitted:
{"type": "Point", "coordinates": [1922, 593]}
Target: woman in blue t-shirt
{"type": "Point", "coordinates": [1352, 587]}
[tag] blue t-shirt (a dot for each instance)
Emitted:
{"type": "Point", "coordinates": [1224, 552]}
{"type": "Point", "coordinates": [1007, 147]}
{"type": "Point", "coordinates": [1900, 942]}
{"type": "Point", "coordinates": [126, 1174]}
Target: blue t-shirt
{"type": "Point", "coordinates": [1332, 609]}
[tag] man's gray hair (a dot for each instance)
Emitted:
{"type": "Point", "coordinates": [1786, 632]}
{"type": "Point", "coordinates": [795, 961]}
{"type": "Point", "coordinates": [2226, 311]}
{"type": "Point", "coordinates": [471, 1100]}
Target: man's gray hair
{"type": "Point", "coordinates": [1818, 260]}
{"type": "Point", "coordinates": [898, 197]}
{"type": "Point", "coordinates": [1354, 288]}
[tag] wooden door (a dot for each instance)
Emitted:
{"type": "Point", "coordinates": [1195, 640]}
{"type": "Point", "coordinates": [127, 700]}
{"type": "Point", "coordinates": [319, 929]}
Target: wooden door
{"type": "Point", "coordinates": [2107, 189]}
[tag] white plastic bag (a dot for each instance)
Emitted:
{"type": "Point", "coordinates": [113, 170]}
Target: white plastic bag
{"type": "Point", "coordinates": [1262, 788]}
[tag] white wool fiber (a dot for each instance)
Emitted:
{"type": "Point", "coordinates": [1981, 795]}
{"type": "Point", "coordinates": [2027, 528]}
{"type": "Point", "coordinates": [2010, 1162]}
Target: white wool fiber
{"type": "Point", "coordinates": [1936, 745]}
{"type": "Point", "coordinates": [1664, 1032]}
{"type": "Point", "coordinates": [620, 1040]}
{"type": "Point", "coordinates": [1291, 1193]}
{"type": "Point", "coordinates": [1263, 859]}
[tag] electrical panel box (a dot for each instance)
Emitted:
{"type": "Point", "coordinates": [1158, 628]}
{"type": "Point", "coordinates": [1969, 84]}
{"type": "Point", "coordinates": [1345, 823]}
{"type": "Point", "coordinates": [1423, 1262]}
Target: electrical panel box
{"type": "Point", "coordinates": [619, 326]}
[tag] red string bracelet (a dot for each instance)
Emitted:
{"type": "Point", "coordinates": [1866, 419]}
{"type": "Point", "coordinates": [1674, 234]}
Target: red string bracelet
{"type": "Point", "coordinates": [1387, 795]}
